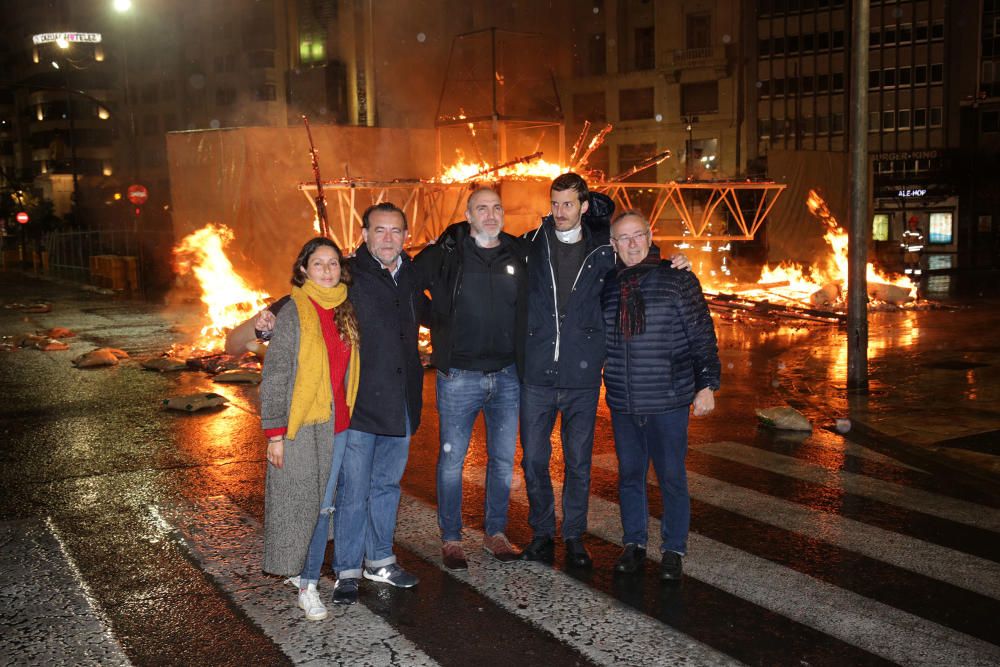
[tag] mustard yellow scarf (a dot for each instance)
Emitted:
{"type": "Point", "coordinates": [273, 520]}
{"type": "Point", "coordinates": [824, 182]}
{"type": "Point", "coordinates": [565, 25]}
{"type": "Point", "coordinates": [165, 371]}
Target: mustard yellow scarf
{"type": "Point", "coordinates": [312, 395]}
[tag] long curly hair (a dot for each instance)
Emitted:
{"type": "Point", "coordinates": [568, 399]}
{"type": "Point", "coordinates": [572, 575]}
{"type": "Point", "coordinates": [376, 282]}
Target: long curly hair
{"type": "Point", "coordinates": [343, 315]}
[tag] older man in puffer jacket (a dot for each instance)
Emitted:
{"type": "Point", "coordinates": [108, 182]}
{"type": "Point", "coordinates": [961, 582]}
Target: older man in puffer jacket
{"type": "Point", "coordinates": [662, 359]}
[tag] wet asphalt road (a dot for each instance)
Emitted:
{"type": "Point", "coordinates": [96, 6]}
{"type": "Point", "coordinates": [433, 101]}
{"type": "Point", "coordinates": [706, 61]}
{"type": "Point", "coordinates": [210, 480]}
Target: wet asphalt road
{"type": "Point", "coordinates": [131, 534]}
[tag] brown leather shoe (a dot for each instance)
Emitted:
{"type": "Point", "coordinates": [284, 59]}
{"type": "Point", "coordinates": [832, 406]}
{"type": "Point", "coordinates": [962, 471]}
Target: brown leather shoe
{"type": "Point", "coordinates": [500, 548]}
{"type": "Point", "coordinates": [453, 556]}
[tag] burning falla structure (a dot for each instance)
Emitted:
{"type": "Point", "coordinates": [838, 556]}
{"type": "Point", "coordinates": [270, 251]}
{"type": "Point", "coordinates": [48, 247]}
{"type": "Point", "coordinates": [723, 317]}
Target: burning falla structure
{"type": "Point", "coordinates": [499, 123]}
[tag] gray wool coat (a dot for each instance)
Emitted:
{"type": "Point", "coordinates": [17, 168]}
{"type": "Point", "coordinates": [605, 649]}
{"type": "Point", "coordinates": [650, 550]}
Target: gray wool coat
{"type": "Point", "coordinates": [293, 493]}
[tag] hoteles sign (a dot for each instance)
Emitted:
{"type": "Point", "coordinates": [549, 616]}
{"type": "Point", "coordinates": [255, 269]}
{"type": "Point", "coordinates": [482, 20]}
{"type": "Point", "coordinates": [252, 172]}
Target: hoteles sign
{"type": "Point", "coordinates": [84, 37]}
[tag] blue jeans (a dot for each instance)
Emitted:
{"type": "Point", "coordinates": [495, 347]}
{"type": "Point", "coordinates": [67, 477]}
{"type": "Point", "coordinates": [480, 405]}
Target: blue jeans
{"type": "Point", "coordinates": [662, 439]}
{"type": "Point", "coordinates": [321, 534]}
{"type": "Point", "coordinates": [461, 396]}
{"type": "Point", "coordinates": [368, 501]}
{"type": "Point", "coordinates": [578, 407]}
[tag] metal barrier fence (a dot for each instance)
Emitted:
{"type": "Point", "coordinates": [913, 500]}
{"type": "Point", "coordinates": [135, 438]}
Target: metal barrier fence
{"type": "Point", "coordinates": [70, 253]}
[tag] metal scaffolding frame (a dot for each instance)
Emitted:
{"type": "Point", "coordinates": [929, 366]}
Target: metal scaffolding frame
{"type": "Point", "coordinates": [430, 207]}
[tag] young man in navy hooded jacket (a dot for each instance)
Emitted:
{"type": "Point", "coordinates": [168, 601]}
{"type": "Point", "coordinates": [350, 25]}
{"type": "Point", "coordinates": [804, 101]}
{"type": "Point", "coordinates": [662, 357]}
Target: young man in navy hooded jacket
{"type": "Point", "coordinates": [569, 256]}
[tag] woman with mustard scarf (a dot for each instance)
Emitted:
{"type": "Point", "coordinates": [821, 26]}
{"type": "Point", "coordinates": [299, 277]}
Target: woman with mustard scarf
{"type": "Point", "coordinates": [309, 384]}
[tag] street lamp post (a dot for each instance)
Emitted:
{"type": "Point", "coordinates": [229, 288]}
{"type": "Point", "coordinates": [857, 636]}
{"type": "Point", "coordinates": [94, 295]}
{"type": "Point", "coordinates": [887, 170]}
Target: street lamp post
{"type": "Point", "coordinates": [125, 7]}
{"type": "Point", "coordinates": [689, 122]}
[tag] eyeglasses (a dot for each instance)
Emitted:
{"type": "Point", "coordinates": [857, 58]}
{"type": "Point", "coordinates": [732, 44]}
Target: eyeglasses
{"type": "Point", "coordinates": [627, 240]}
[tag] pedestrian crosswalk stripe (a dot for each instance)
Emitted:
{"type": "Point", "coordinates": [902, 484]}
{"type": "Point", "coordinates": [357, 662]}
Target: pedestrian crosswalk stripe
{"type": "Point", "coordinates": [867, 624]}
{"type": "Point", "coordinates": [593, 623]}
{"type": "Point", "coordinates": [228, 545]}
{"type": "Point", "coordinates": [917, 500]}
{"type": "Point", "coordinates": [963, 570]}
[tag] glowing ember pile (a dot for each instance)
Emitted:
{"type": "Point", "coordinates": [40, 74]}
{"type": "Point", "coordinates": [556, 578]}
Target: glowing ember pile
{"type": "Point", "coordinates": [227, 298]}
{"type": "Point", "coordinates": [824, 283]}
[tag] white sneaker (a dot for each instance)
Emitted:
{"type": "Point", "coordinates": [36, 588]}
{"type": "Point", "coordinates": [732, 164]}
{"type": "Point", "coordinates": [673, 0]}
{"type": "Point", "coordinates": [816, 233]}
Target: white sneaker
{"type": "Point", "coordinates": [310, 603]}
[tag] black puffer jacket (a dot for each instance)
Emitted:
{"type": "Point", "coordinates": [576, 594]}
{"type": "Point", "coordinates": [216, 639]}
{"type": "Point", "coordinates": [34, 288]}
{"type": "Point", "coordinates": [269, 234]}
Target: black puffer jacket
{"type": "Point", "coordinates": [675, 357]}
{"type": "Point", "coordinates": [569, 353]}
{"type": "Point", "coordinates": [438, 269]}
{"type": "Point", "coordinates": [391, 374]}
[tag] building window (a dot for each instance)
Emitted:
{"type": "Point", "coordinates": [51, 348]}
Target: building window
{"type": "Point", "coordinates": [937, 31]}
{"type": "Point", "coordinates": [265, 93]}
{"type": "Point", "coordinates": [903, 119]}
{"type": "Point", "coordinates": [764, 127]}
{"type": "Point", "coordinates": [939, 231]}
{"type": "Point", "coordinates": [874, 78]}
{"type": "Point", "coordinates": [630, 155]}
{"type": "Point", "coordinates": [880, 227]}
{"type": "Point", "coordinates": [921, 33]}
{"type": "Point", "coordinates": [837, 122]}
{"type": "Point", "coordinates": [937, 73]}
{"type": "Point", "coordinates": [636, 104]}
{"type": "Point", "coordinates": [150, 93]}
{"type": "Point", "coordinates": [645, 48]}
{"type": "Point", "coordinates": [699, 31]}
{"type": "Point", "coordinates": [838, 81]}
{"type": "Point", "coordinates": [700, 97]}
{"type": "Point", "coordinates": [903, 76]}
{"type": "Point", "coordinates": [225, 96]}
{"type": "Point", "coordinates": [597, 55]}
{"type": "Point", "coordinates": [704, 157]}
{"type": "Point", "coordinates": [936, 116]}
{"type": "Point", "coordinates": [589, 106]}
{"type": "Point", "coordinates": [260, 59]}
{"type": "Point", "coordinates": [888, 120]}
{"type": "Point", "coordinates": [919, 118]}
{"type": "Point", "coordinates": [873, 121]}
{"type": "Point", "coordinates": [889, 77]}
{"type": "Point", "coordinates": [920, 74]}
{"type": "Point", "coordinates": [991, 121]}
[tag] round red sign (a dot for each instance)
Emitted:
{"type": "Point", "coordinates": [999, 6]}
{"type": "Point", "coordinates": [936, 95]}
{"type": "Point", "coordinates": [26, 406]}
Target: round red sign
{"type": "Point", "coordinates": [138, 194]}
{"type": "Point", "coordinates": [22, 217]}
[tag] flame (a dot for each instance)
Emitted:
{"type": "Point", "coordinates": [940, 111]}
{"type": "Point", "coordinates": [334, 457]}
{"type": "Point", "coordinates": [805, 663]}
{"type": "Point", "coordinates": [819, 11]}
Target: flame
{"type": "Point", "coordinates": [463, 170]}
{"type": "Point", "coordinates": [228, 299]}
{"type": "Point", "coordinates": [794, 282]}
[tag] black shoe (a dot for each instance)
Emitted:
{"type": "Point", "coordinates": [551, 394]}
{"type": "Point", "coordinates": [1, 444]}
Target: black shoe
{"type": "Point", "coordinates": [345, 591]}
{"type": "Point", "coordinates": [671, 566]}
{"type": "Point", "coordinates": [576, 553]}
{"type": "Point", "coordinates": [541, 549]}
{"type": "Point", "coordinates": [631, 559]}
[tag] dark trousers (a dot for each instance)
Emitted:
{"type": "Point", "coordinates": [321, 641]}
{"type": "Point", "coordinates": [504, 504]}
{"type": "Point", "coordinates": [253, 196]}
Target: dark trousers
{"type": "Point", "coordinates": [578, 409]}
{"type": "Point", "coordinates": [662, 439]}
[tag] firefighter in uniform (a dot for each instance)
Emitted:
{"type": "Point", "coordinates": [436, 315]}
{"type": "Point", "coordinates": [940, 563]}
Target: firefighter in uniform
{"type": "Point", "coordinates": [912, 244]}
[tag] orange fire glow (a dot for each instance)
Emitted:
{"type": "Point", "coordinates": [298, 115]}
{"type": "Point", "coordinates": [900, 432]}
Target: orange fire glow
{"type": "Point", "coordinates": [228, 299]}
{"type": "Point", "coordinates": [828, 274]}
{"type": "Point", "coordinates": [463, 170]}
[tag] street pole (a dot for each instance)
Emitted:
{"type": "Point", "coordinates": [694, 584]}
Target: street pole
{"type": "Point", "coordinates": [857, 244]}
{"type": "Point", "coordinates": [72, 146]}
